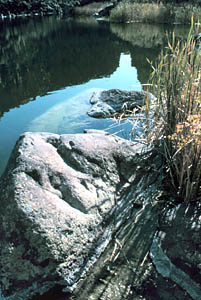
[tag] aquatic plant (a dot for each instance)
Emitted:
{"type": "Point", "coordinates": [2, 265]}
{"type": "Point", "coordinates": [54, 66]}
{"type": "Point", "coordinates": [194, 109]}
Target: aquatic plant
{"type": "Point", "coordinates": [175, 81]}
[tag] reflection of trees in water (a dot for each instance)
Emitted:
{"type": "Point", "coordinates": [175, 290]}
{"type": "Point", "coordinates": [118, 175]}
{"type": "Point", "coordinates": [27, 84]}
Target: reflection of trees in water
{"type": "Point", "coordinates": [19, 47]}
{"type": "Point", "coordinates": [140, 62]}
{"type": "Point", "coordinates": [148, 36]}
{"type": "Point", "coordinates": [140, 35]}
{"type": "Point", "coordinates": [46, 54]}
{"type": "Point", "coordinates": [43, 56]}
{"type": "Point", "coordinates": [146, 40]}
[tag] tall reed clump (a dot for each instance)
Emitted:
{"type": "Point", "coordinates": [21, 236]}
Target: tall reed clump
{"type": "Point", "coordinates": [176, 84]}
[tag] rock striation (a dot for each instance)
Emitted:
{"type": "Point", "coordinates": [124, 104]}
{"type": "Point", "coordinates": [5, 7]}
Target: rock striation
{"type": "Point", "coordinates": [64, 198]}
{"type": "Point", "coordinates": [58, 195]}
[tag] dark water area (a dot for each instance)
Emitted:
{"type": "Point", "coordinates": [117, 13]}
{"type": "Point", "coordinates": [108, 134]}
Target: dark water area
{"type": "Point", "coordinates": [50, 66]}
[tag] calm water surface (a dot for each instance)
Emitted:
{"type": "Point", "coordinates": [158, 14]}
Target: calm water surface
{"type": "Point", "coordinates": [49, 68]}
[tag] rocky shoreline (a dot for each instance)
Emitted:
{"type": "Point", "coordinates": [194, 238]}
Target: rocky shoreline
{"type": "Point", "coordinates": [89, 213]}
{"type": "Point", "coordinates": [62, 196]}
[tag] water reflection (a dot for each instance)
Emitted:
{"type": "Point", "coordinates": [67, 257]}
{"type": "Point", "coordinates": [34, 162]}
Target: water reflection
{"type": "Point", "coordinates": [147, 40]}
{"type": "Point", "coordinates": [52, 56]}
{"type": "Point", "coordinates": [49, 66]}
{"type": "Point", "coordinates": [70, 116]}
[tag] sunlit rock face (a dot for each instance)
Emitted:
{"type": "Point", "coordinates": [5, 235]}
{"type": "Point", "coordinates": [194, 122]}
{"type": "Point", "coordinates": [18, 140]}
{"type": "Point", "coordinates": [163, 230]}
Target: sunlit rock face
{"type": "Point", "coordinates": [58, 195]}
{"type": "Point", "coordinates": [61, 198]}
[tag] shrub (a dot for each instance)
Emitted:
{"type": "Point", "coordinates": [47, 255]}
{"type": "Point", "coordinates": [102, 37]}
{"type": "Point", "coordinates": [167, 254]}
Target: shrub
{"type": "Point", "coordinates": [154, 13]}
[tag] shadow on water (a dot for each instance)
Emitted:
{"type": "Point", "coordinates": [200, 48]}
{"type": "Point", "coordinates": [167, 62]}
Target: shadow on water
{"type": "Point", "coordinates": [50, 54]}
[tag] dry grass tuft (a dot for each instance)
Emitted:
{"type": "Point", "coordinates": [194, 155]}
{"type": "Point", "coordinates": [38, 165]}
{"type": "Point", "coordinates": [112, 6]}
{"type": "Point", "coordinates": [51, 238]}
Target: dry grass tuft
{"type": "Point", "coordinates": [176, 83]}
{"type": "Point", "coordinates": [154, 13]}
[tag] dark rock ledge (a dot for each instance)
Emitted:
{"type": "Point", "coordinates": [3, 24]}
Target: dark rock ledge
{"type": "Point", "coordinates": [84, 211]}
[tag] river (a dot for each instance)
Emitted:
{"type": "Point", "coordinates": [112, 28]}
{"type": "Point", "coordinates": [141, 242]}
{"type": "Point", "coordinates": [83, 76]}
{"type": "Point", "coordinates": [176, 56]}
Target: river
{"type": "Point", "coordinates": [50, 66]}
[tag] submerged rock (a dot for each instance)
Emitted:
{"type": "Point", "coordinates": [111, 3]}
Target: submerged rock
{"type": "Point", "coordinates": [107, 103]}
{"type": "Point", "coordinates": [58, 195]}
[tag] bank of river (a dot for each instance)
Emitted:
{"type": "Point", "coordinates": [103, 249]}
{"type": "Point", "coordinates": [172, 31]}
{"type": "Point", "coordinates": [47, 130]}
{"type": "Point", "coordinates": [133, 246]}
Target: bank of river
{"type": "Point", "coordinates": [156, 12]}
{"type": "Point", "coordinates": [45, 63]}
{"type": "Point", "coordinates": [50, 66]}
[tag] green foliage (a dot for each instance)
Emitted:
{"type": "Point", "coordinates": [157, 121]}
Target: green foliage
{"type": "Point", "coordinates": [15, 7]}
{"type": "Point", "coordinates": [176, 113]}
